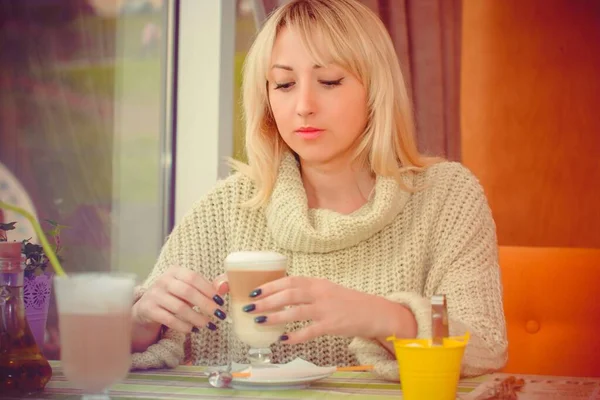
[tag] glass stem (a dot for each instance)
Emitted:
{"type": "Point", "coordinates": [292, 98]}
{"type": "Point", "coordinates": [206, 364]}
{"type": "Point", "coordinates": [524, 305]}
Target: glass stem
{"type": "Point", "coordinates": [260, 356]}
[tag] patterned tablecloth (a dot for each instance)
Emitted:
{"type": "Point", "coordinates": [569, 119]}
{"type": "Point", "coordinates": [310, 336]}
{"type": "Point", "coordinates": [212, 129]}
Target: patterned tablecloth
{"type": "Point", "coordinates": [184, 382]}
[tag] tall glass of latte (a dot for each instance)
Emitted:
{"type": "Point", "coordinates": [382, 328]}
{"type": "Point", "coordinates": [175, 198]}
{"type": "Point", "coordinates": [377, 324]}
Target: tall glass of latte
{"type": "Point", "coordinates": [94, 311]}
{"type": "Point", "coordinates": [247, 271]}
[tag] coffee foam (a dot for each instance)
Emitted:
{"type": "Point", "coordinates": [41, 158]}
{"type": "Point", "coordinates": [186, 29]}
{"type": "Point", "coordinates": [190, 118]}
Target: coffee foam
{"type": "Point", "coordinates": [94, 293]}
{"type": "Point", "coordinates": [256, 260]}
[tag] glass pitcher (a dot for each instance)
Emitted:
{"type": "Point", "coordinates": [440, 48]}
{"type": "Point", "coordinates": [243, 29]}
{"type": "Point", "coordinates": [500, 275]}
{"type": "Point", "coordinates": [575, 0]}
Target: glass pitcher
{"type": "Point", "coordinates": [23, 368]}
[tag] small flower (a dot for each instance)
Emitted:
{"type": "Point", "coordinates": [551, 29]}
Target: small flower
{"type": "Point", "coordinates": [36, 260]}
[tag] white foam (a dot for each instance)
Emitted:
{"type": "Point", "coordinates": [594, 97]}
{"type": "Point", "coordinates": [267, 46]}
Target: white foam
{"type": "Point", "coordinates": [94, 293]}
{"type": "Point", "coordinates": [256, 260]}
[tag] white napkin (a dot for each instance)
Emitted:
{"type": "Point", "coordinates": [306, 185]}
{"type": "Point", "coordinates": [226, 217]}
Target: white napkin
{"type": "Point", "coordinates": [296, 369]}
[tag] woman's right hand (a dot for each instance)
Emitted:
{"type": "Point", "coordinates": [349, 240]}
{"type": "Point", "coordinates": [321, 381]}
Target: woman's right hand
{"type": "Point", "coordinates": [180, 299]}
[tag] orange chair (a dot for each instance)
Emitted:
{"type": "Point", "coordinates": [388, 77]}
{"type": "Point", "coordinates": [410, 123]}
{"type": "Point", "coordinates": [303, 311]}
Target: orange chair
{"type": "Point", "coordinates": [552, 307]}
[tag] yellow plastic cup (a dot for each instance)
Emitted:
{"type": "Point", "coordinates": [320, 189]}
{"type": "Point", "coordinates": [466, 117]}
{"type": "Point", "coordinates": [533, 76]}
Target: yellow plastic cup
{"type": "Point", "coordinates": [429, 372]}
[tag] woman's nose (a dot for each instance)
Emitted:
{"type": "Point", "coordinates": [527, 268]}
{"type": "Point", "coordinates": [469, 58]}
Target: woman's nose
{"type": "Point", "coordinates": [306, 104]}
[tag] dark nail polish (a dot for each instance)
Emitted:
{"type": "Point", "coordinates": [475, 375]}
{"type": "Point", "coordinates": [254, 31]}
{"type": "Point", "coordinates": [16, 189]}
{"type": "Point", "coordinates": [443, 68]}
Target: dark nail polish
{"type": "Point", "coordinates": [256, 293]}
{"type": "Point", "coordinates": [283, 338]}
{"type": "Point", "coordinates": [220, 314]}
{"type": "Point", "coordinates": [218, 299]}
{"type": "Point", "coordinates": [261, 319]}
{"type": "Point", "coordinates": [211, 326]}
{"type": "Point", "coordinates": [249, 307]}
{"type": "Point", "coordinates": [195, 329]}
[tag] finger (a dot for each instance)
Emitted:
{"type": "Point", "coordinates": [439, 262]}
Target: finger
{"type": "Point", "coordinates": [291, 314]}
{"type": "Point", "coordinates": [198, 282]}
{"type": "Point", "coordinates": [278, 285]}
{"type": "Point", "coordinates": [191, 297]}
{"type": "Point", "coordinates": [182, 311]}
{"type": "Point", "coordinates": [223, 289]}
{"type": "Point", "coordinates": [166, 318]}
{"type": "Point", "coordinates": [190, 294]}
{"type": "Point", "coordinates": [279, 300]}
{"type": "Point", "coordinates": [164, 277]}
{"type": "Point", "coordinates": [303, 335]}
{"type": "Point", "coordinates": [221, 284]}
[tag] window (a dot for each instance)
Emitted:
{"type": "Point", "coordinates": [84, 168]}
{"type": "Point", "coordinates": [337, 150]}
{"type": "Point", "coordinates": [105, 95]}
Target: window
{"type": "Point", "coordinates": [82, 128]}
{"type": "Point", "coordinates": [83, 133]}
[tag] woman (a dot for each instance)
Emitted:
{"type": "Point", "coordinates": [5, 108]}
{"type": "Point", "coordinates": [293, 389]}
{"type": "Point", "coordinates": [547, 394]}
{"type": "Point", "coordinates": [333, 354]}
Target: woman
{"type": "Point", "coordinates": [371, 228]}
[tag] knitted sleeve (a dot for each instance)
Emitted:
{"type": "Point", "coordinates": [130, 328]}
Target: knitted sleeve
{"type": "Point", "coordinates": [198, 242]}
{"type": "Point", "coordinates": [464, 267]}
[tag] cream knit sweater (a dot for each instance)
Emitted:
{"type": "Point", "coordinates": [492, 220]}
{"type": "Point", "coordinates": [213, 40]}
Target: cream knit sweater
{"type": "Point", "coordinates": [403, 246]}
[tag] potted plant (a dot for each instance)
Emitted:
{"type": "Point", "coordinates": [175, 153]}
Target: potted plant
{"type": "Point", "coordinates": [37, 283]}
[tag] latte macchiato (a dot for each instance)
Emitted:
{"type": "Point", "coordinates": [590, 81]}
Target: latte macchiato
{"type": "Point", "coordinates": [247, 271]}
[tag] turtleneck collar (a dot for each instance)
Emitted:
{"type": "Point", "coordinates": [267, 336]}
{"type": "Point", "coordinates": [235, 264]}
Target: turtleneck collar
{"type": "Point", "coordinates": [295, 227]}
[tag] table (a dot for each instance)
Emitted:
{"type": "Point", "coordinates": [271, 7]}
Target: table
{"type": "Point", "coordinates": [183, 382]}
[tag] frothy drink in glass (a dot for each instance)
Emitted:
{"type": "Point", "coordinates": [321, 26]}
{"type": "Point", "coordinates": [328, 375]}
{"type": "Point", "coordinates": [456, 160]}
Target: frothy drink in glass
{"type": "Point", "coordinates": [95, 329]}
{"type": "Point", "coordinates": [247, 271]}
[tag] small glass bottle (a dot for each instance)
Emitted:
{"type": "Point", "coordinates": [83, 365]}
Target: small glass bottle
{"type": "Point", "coordinates": [439, 319]}
{"type": "Point", "coordinates": [23, 368]}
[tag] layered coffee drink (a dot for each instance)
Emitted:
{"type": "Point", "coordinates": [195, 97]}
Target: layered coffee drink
{"type": "Point", "coordinates": [247, 271]}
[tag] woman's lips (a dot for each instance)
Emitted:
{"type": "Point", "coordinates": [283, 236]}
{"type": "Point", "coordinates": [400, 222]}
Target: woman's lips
{"type": "Point", "coordinates": [309, 133]}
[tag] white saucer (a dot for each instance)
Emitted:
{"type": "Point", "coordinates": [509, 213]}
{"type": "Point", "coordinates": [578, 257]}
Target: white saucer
{"type": "Point", "coordinates": [275, 384]}
{"type": "Point", "coordinates": [297, 374]}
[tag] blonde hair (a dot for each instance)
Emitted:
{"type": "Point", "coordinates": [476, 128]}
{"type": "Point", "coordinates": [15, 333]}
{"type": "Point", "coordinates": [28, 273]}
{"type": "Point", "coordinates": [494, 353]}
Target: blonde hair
{"type": "Point", "coordinates": [355, 39]}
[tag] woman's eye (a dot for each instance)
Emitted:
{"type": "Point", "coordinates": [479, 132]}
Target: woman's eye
{"type": "Point", "coordinates": [332, 83]}
{"type": "Point", "coordinates": [283, 86]}
{"type": "Point", "coordinates": [327, 83]}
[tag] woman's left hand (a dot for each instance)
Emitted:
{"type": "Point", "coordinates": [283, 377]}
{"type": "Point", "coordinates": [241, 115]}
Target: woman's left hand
{"type": "Point", "coordinates": [333, 309]}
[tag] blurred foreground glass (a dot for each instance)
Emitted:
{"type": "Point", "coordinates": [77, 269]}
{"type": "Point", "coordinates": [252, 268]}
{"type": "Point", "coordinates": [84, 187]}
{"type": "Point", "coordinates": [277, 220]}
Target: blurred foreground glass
{"type": "Point", "coordinates": [247, 271]}
{"type": "Point", "coordinates": [94, 312]}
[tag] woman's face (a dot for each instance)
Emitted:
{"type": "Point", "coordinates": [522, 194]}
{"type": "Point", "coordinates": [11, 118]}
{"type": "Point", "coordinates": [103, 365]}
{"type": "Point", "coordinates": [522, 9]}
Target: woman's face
{"type": "Point", "coordinates": [320, 110]}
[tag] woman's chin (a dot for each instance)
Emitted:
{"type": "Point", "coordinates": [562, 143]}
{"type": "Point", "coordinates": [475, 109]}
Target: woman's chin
{"type": "Point", "coordinates": [314, 157]}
